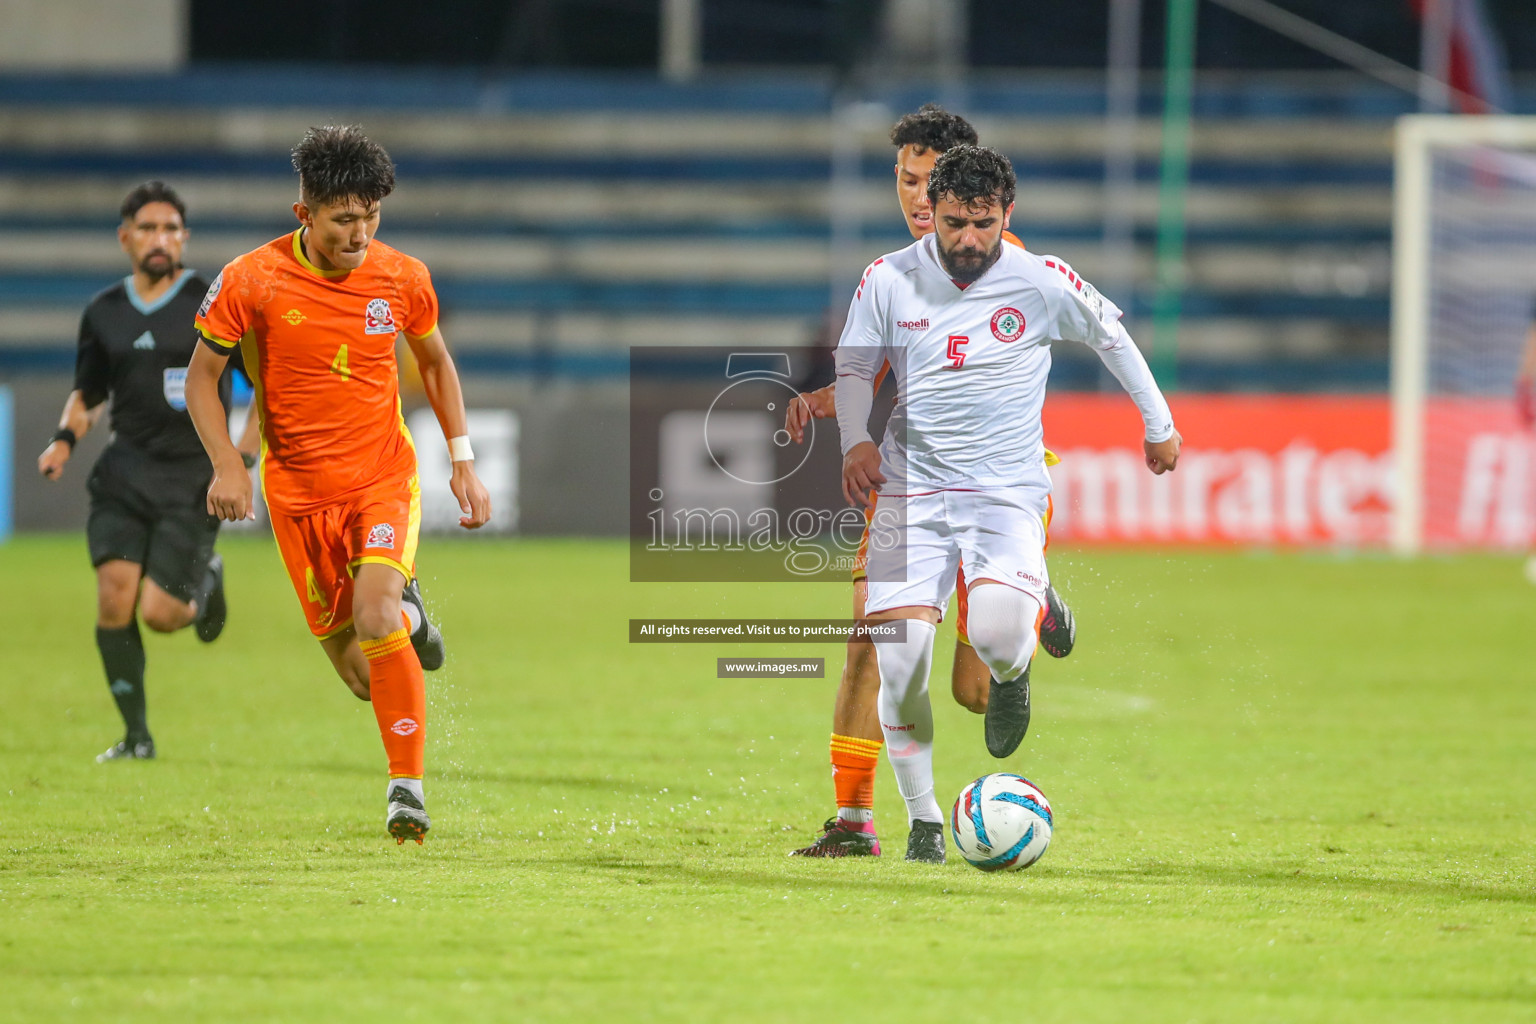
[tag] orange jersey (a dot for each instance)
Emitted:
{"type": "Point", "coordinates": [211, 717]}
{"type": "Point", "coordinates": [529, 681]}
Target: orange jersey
{"type": "Point", "coordinates": [1011, 239]}
{"type": "Point", "coordinates": [320, 347]}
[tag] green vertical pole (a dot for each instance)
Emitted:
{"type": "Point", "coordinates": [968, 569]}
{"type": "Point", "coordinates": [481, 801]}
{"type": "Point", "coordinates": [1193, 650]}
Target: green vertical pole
{"type": "Point", "coordinates": [1178, 85]}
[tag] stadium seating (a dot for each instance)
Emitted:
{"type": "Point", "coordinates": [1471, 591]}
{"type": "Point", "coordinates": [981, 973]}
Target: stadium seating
{"type": "Point", "coordinates": [567, 218]}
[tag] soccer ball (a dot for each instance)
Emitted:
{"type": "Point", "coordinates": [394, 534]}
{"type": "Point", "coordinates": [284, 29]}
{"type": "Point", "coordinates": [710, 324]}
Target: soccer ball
{"type": "Point", "coordinates": [1002, 822]}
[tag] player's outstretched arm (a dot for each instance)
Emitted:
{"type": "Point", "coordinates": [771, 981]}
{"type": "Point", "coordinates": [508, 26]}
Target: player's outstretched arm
{"type": "Point", "coordinates": [440, 379]}
{"type": "Point", "coordinates": [1161, 443]}
{"type": "Point", "coordinates": [1085, 316]}
{"type": "Point", "coordinates": [74, 423]}
{"type": "Point", "coordinates": [229, 495]}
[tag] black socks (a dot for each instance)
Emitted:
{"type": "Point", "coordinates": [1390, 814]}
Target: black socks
{"type": "Point", "coordinates": [205, 590]}
{"type": "Point", "coordinates": [122, 654]}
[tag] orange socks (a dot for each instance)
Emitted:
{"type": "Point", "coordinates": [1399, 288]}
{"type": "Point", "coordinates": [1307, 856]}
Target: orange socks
{"type": "Point", "coordinates": [853, 770]}
{"type": "Point", "coordinates": [399, 695]}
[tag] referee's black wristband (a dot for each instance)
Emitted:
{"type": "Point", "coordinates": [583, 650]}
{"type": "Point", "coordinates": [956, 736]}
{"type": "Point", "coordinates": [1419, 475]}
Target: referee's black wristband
{"type": "Point", "coordinates": [66, 435]}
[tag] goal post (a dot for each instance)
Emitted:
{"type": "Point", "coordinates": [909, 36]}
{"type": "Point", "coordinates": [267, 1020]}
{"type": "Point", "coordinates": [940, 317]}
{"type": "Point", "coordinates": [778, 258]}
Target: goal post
{"type": "Point", "coordinates": [1463, 298]}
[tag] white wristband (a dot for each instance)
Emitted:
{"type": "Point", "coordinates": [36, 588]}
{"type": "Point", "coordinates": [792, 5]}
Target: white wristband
{"type": "Point", "coordinates": [459, 450]}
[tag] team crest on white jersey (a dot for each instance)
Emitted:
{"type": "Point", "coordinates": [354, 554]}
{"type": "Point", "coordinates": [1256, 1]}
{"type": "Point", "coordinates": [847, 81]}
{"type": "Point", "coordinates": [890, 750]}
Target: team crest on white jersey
{"type": "Point", "coordinates": [378, 319]}
{"type": "Point", "coordinates": [213, 293]}
{"type": "Point", "coordinates": [1007, 324]}
{"type": "Point", "coordinates": [381, 536]}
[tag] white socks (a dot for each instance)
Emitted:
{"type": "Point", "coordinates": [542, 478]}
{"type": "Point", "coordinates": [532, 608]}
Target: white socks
{"type": "Point", "coordinates": [907, 717]}
{"type": "Point", "coordinates": [1001, 625]}
{"type": "Point", "coordinates": [858, 815]}
{"type": "Point", "coordinates": [412, 785]}
{"type": "Point", "coordinates": [412, 617]}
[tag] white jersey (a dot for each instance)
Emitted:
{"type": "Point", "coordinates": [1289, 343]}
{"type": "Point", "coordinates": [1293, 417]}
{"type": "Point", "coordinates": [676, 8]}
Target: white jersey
{"type": "Point", "coordinates": [971, 365]}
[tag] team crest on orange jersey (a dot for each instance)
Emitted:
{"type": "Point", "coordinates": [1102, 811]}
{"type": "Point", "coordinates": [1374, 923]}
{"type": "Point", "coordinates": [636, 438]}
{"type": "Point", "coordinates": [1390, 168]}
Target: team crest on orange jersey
{"type": "Point", "coordinates": [381, 536]}
{"type": "Point", "coordinates": [378, 319]}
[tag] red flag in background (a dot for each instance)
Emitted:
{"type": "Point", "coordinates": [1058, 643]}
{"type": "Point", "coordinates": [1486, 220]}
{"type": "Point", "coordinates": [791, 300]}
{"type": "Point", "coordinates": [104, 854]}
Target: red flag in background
{"type": "Point", "coordinates": [1474, 58]}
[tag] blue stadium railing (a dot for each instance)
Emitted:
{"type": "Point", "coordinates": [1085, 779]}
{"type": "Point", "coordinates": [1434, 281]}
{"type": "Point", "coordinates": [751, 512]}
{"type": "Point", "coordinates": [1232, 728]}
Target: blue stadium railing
{"type": "Point", "coordinates": [1061, 96]}
{"type": "Point", "coordinates": [1067, 94]}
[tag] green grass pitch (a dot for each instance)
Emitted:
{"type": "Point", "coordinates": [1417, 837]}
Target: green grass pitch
{"type": "Point", "coordinates": [1287, 788]}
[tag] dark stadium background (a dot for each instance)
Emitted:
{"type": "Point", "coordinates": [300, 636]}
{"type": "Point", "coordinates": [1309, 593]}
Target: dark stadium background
{"type": "Point", "coordinates": [610, 34]}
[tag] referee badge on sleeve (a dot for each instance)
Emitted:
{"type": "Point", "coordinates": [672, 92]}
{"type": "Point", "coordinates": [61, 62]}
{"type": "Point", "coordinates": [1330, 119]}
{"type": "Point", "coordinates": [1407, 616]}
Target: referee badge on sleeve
{"type": "Point", "coordinates": [175, 388]}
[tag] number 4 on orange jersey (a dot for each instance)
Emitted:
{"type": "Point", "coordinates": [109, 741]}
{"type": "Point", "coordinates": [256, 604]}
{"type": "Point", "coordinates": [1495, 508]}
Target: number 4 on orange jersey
{"type": "Point", "coordinates": [339, 364]}
{"type": "Point", "coordinates": [309, 582]}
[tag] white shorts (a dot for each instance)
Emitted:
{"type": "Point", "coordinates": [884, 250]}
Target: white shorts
{"type": "Point", "coordinates": [916, 543]}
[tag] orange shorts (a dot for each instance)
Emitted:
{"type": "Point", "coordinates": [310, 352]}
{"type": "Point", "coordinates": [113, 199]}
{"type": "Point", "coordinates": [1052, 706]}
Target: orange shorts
{"type": "Point", "coordinates": [322, 550]}
{"type": "Point", "coordinates": [962, 632]}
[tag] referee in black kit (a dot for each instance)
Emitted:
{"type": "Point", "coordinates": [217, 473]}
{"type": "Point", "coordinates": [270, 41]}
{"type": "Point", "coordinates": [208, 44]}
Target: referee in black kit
{"type": "Point", "coordinates": [150, 535]}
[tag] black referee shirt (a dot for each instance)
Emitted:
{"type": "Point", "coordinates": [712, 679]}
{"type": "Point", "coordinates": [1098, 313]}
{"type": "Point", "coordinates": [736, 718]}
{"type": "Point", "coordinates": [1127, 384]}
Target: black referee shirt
{"type": "Point", "coordinates": [138, 354]}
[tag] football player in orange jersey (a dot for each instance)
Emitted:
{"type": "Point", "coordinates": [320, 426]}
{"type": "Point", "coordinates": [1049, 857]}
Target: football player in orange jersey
{"type": "Point", "coordinates": [315, 314]}
{"type": "Point", "coordinates": [920, 138]}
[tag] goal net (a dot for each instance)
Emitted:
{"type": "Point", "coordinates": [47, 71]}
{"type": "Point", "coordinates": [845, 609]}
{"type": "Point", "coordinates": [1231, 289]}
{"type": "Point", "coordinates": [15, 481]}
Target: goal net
{"type": "Point", "coordinates": [1463, 301]}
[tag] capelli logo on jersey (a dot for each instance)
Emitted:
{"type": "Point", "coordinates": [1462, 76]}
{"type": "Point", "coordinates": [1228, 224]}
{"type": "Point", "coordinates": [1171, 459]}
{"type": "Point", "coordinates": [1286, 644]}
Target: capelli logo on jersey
{"type": "Point", "coordinates": [378, 319]}
{"type": "Point", "coordinates": [913, 325]}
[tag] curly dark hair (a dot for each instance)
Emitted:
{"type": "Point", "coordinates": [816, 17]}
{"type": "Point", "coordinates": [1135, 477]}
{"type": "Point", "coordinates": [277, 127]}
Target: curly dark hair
{"type": "Point", "coordinates": [973, 174]}
{"type": "Point", "coordinates": [932, 127]}
{"type": "Point", "coordinates": [336, 164]}
{"type": "Point", "coordinates": [151, 192]}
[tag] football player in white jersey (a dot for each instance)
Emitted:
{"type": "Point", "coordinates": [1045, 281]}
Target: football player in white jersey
{"type": "Point", "coordinates": [920, 138]}
{"type": "Point", "coordinates": [966, 324]}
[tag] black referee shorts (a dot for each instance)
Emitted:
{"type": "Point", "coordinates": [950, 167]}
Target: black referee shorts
{"type": "Point", "coordinates": [153, 512]}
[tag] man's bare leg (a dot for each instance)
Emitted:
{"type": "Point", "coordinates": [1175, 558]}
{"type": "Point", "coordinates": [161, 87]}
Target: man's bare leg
{"type": "Point", "coordinates": [348, 661]}
{"type": "Point", "coordinates": [970, 679]}
{"type": "Point", "coordinates": [855, 749]}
